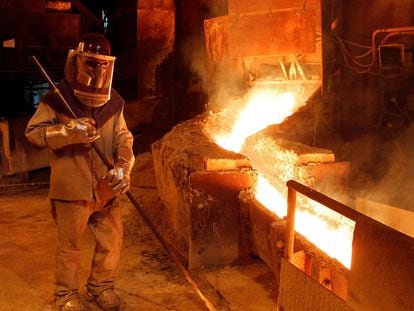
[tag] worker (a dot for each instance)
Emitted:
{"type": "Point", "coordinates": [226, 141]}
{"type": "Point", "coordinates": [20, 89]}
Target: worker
{"type": "Point", "coordinates": [84, 191]}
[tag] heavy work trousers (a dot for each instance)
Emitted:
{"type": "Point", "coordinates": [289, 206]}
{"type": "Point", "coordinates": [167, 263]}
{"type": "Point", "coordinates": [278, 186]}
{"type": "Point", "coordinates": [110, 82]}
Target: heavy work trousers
{"type": "Point", "coordinates": [72, 218]}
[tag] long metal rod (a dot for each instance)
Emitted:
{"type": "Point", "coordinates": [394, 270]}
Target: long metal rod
{"type": "Point", "coordinates": [134, 202]}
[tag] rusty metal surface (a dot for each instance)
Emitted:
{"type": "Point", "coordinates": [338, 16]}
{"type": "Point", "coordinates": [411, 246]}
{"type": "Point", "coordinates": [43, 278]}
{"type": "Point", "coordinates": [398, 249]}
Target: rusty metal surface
{"type": "Point", "coordinates": [382, 272]}
{"type": "Point", "coordinates": [262, 234]}
{"type": "Point", "coordinates": [243, 6]}
{"type": "Point", "coordinates": [216, 37]}
{"type": "Point", "coordinates": [178, 156]}
{"type": "Point", "coordinates": [214, 233]}
{"type": "Point", "coordinates": [167, 5]}
{"type": "Point", "coordinates": [269, 34]}
{"type": "Point", "coordinates": [156, 34]}
{"type": "Point", "coordinates": [272, 34]}
{"type": "Point", "coordinates": [298, 292]}
{"type": "Point", "coordinates": [262, 34]}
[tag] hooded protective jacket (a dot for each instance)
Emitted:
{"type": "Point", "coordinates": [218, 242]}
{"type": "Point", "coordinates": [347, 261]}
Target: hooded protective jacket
{"type": "Point", "coordinates": [77, 170]}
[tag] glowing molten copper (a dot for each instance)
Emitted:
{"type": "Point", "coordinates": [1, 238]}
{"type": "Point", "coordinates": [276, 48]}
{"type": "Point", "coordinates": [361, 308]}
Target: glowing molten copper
{"type": "Point", "coordinates": [329, 231]}
{"type": "Point", "coordinates": [264, 107]}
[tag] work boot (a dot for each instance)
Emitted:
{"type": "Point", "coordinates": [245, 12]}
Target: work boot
{"type": "Point", "coordinates": [107, 299]}
{"type": "Point", "coordinates": [74, 303]}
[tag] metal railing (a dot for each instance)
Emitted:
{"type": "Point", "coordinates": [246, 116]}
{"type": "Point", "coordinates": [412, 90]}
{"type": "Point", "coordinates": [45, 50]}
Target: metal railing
{"type": "Point", "coordinates": [293, 188]}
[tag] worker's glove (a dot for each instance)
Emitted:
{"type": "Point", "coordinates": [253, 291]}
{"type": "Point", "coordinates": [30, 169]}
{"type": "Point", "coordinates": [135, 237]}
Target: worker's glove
{"type": "Point", "coordinates": [118, 179]}
{"type": "Point", "coordinates": [76, 131]}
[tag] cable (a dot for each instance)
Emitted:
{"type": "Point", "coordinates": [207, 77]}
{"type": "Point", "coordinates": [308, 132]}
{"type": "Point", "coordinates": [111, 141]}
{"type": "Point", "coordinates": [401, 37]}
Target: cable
{"type": "Point", "coordinates": [367, 68]}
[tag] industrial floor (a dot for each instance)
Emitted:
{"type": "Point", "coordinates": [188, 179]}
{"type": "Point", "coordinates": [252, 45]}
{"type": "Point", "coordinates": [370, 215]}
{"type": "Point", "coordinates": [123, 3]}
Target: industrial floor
{"type": "Point", "coordinates": [147, 279]}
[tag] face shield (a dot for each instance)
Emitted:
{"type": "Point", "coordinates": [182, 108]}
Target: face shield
{"type": "Point", "coordinates": [90, 75]}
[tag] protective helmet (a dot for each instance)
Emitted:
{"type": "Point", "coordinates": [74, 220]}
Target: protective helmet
{"type": "Point", "coordinates": [89, 69]}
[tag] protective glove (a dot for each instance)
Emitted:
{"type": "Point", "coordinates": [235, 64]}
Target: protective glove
{"type": "Point", "coordinates": [76, 131]}
{"type": "Point", "coordinates": [119, 179]}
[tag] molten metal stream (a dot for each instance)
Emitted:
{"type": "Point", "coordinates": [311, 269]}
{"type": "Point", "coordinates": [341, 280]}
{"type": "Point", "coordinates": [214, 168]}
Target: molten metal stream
{"type": "Point", "coordinates": [329, 231]}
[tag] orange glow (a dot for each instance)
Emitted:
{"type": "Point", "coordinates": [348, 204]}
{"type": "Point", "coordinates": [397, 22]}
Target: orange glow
{"type": "Point", "coordinates": [264, 107]}
{"type": "Point", "coordinates": [270, 198]}
{"type": "Point", "coordinates": [329, 231]}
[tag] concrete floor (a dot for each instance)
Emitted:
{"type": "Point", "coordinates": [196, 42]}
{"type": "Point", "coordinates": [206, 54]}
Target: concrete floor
{"type": "Point", "coordinates": [147, 279]}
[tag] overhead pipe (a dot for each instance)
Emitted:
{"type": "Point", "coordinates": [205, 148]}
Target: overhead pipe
{"type": "Point", "coordinates": [394, 30]}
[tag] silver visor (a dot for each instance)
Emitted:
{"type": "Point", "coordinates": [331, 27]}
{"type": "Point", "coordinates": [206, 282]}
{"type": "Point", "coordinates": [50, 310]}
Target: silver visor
{"type": "Point", "coordinates": [90, 75]}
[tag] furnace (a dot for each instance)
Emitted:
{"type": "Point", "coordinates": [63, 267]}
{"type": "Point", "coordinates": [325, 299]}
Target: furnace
{"type": "Point", "coordinates": [201, 186]}
{"type": "Point", "coordinates": [236, 182]}
{"type": "Point", "coordinates": [215, 218]}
